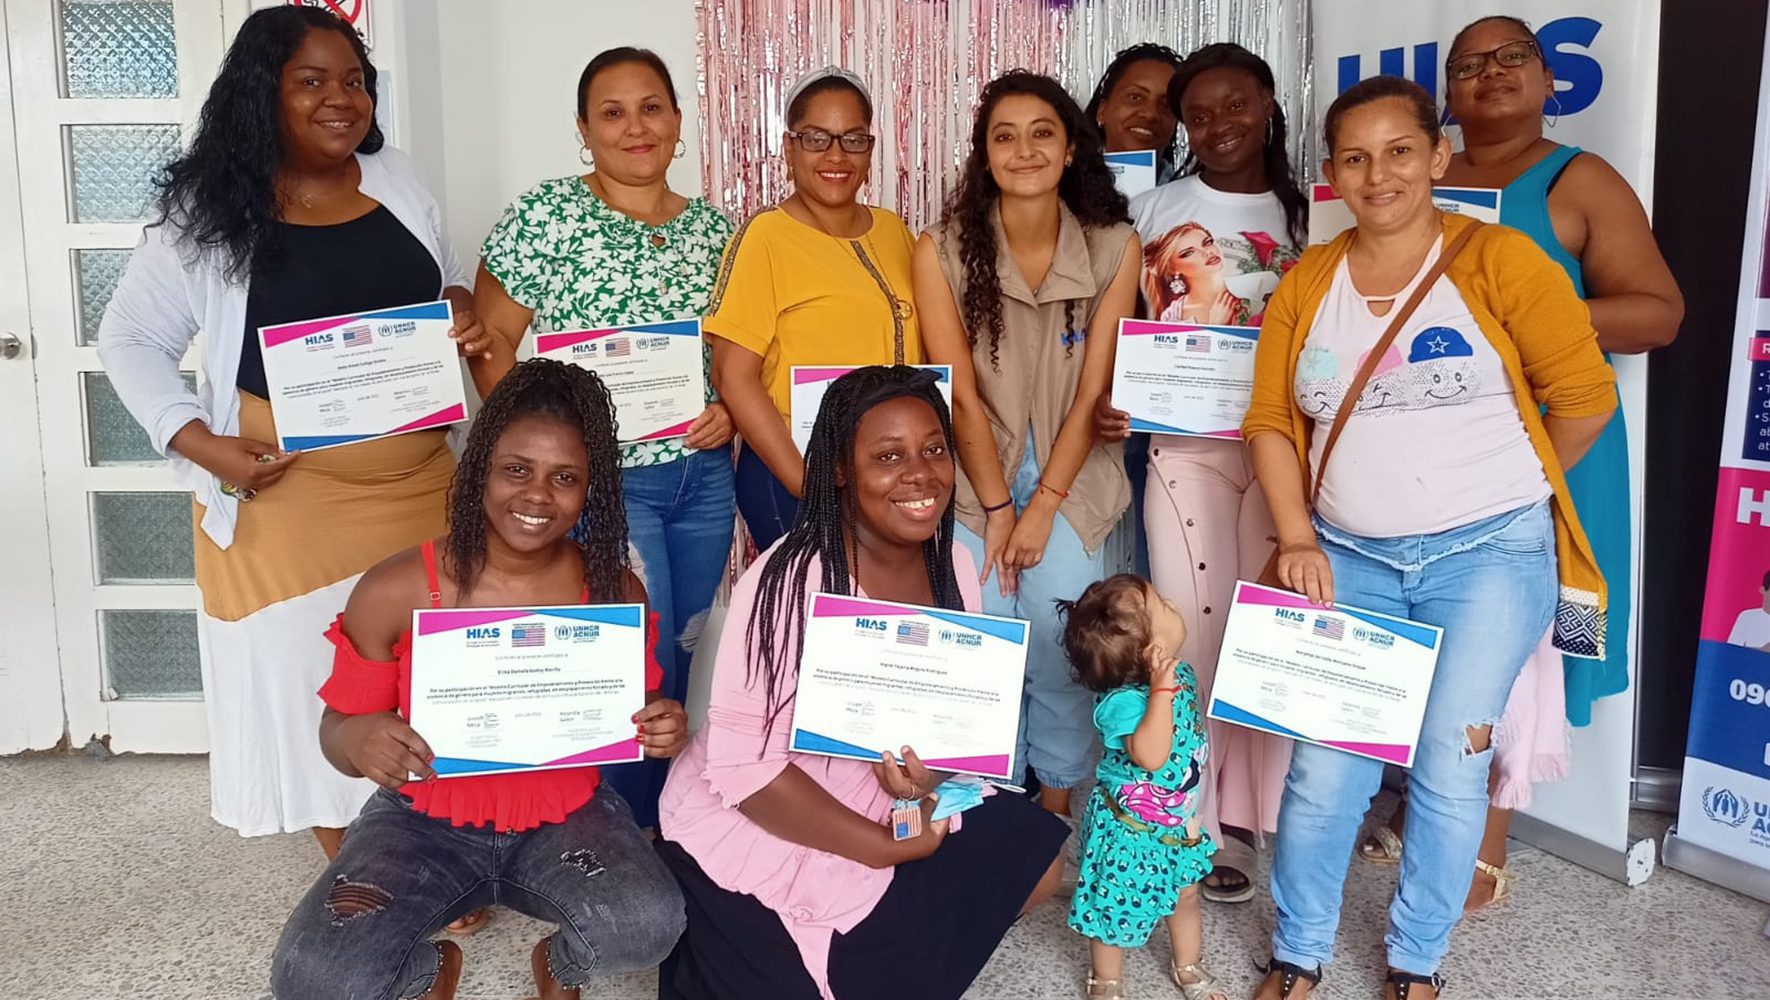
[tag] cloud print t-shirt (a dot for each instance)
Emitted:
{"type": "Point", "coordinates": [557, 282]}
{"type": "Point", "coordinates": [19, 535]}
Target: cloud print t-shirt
{"type": "Point", "coordinates": [1435, 440]}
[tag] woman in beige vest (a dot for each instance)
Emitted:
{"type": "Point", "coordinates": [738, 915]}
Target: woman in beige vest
{"type": "Point", "coordinates": [1020, 289]}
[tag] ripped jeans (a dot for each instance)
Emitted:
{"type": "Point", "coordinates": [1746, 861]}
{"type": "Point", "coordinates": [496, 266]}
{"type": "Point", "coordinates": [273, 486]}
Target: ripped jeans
{"type": "Point", "coordinates": [1491, 586]}
{"type": "Point", "coordinates": [363, 931]}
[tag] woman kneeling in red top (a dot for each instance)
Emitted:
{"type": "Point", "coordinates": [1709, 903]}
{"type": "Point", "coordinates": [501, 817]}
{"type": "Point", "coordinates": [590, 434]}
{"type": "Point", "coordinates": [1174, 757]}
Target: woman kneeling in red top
{"type": "Point", "coordinates": [535, 518]}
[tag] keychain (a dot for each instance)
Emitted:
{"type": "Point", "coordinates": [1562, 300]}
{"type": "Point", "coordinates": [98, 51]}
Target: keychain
{"type": "Point", "coordinates": [906, 819]}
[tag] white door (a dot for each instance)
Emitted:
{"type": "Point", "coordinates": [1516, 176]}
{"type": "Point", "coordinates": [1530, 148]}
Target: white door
{"type": "Point", "coordinates": [102, 92]}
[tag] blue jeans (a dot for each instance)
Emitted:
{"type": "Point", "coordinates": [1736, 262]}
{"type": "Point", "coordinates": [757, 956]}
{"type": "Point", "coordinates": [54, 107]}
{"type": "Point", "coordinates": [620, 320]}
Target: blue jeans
{"type": "Point", "coordinates": [1491, 586]}
{"type": "Point", "coordinates": [767, 507]}
{"type": "Point", "coordinates": [680, 520]}
{"type": "Point", "coordinates": [1056, 713]}
{"type": "Point", "coordinates": [362, 932]}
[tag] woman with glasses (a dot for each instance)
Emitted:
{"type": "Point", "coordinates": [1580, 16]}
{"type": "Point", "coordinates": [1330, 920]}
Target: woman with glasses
{"type": "Point", "coordinates": [1584, 215]}
{"type": "Point", "coordinates": [820, 279]}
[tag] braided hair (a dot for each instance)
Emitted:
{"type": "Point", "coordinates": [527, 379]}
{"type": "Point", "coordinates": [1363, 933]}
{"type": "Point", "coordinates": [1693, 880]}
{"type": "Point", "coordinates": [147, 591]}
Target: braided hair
{"type": "Point", "coordinates": [1087, 187]}
{"type": "Point", "coordinates": [1126, 58]}
{"type": "Point", "coordinates": [1228, 55]}
{"type": "Point", "coordinates": [825, 521]}
{"type": "Point", "coordinates": [576, 397]}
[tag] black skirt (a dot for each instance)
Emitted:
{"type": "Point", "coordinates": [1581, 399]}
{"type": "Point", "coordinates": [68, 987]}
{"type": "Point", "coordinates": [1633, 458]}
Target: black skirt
{"type": "Point", "coordinates": [939, 922]}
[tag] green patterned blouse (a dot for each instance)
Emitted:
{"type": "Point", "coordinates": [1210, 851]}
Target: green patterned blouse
{"type": "Point", "coordinates": [577, 263]}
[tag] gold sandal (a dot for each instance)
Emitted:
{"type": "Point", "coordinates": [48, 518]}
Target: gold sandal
{"type": "Point", "coordinates": [1105, 989]}
{"type": "Point", "coordinates": [1503, 877]}
{"type": "Point", "coordinates": [1204, 985]}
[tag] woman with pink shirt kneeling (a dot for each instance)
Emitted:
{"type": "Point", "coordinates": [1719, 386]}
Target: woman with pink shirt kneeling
{"type": "Point", "coordinates": [795, 888]}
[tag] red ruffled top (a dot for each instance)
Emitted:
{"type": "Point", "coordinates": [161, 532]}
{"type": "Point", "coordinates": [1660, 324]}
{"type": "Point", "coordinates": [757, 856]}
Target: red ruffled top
{"type": "Point", "coordinates": [510, 802]}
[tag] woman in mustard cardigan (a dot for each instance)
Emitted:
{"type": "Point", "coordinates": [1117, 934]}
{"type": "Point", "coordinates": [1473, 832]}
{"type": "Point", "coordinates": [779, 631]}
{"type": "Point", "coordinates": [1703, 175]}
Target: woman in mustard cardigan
{"type": "Point", "coordinates": [1445, 503]}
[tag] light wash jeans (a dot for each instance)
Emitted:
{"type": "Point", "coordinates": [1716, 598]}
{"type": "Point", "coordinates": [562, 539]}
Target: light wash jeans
{"type": "Point", "coordinates": [680, 518]}
{"type": "Point", "coordinates": [1491, 586]}
{"type": "Point", "coordinates": [1057, 733]}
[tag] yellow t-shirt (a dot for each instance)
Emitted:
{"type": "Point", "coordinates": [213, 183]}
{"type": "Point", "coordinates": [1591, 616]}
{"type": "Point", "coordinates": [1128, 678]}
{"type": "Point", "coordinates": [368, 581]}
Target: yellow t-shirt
{"type": "Point", "coordinates": [795, 295]}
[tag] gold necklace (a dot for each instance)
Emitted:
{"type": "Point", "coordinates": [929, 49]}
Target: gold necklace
{"type": "Point", "coordinates": [901, 310]}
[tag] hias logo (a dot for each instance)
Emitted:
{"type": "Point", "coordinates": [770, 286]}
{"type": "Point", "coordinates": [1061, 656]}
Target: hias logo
{"type": "Point", "coordinates": [319, 341]}
{"type": "Point", "coordinates": [1290, 616]}
{"type": "Point", "coordinates": [1565, 43]}
{"type": "Point", "coordinates": [1723, 806]}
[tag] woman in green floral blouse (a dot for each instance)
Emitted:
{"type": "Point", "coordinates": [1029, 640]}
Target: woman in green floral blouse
{"type": "Point", "coordinates": [611, 247]}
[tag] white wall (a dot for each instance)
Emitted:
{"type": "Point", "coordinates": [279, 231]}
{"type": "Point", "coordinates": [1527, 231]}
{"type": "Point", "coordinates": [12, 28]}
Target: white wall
{"type": "Point", "coordinates": [483, 92]}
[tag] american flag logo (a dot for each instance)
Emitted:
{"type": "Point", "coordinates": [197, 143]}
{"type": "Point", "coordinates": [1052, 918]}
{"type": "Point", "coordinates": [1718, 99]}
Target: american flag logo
{"type": "Point", "coordinates": [619, 347]}
{"type": "Point", "coordinates": [528, 634]}
{"type": "Point", "coordinates": [358, 336]}
{"type": "Point", "coordinates": [1198, 343]}
{"type": "Point", "coordinates": [1330, 628]}
{"type": "Point", "coordinates": [912, 633]}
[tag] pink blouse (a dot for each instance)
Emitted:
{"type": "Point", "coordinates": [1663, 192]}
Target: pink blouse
{"type": "Point", "coordinates": [815, 893]}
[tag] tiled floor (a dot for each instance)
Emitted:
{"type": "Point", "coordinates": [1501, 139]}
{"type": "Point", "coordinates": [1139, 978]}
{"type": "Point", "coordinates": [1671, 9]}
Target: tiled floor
{"type": "Point", "coordinates": [121, 887]}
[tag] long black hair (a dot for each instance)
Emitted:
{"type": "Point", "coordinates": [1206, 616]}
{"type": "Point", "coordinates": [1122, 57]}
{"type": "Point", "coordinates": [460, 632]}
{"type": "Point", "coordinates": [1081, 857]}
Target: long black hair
{"type": "Point", "coordinates": [222, 193]}
{"type": "Point", "coordinates": [575, 396]}
{"type": "Point", "coordinates": [1087, 187]}
{"type": "Point", "coordinates": [825, 519]}
{"type": "Point", "coordinates": [1126, 58]}
{"type": "Point", "coordinates": [1279, 174]}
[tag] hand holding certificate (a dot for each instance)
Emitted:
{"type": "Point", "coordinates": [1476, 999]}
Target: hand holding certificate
{"type": "Point", "coordinates": [876, 676]}
{"type": "Point", "coordinates": [1337, 677]}
{"type": "Point", "coordinates": [653, 371]}
{"type": "Point", "coordinates": [496, 690]}
{"type": "Point", "coordinates": [345, 379]}
{"type": "Point", "coordinates": [1177, 378]}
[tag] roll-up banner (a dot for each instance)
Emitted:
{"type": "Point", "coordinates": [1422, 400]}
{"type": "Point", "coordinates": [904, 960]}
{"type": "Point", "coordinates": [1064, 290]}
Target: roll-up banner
{"type": "Point", "coordinates": [1605, 57]}
{"type": "Point", "coordinates": [1723, 831]}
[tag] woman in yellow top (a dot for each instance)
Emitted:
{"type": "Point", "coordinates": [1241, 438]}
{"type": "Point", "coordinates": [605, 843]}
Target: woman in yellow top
{"type": "Point", "coordinates": [819, 279]}
{"type": "Point", "coordinates": [1445, 503]}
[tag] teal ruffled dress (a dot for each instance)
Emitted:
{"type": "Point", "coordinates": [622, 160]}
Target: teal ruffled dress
{"type": "Point", "coordinates": [1600, 482]}
{"type": "Point", "coordinates": [1135, 854]}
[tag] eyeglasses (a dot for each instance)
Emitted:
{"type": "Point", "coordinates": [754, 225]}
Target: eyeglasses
{"type": "Point", "coordinates": [1510, 56]}
{"type": "Point", "coordinates": [816, 140]}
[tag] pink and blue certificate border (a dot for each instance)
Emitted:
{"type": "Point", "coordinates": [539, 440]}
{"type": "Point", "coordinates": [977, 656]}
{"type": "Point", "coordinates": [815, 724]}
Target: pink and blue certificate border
{"type": "Point", "coordinates": [1404, 630]}
{"type": "Point", "coordinates": [274, 336]}
{"type": "Point", "coordinates": [1149, 328]}
{"type": "Point", "coordinates": [546, 343]}
{"type": "Point", "coordinates": [807, 374]}
{"type": "Point", "coordinates": [837, 606]}
{"type": "Point", "coordinates": [432, 621]}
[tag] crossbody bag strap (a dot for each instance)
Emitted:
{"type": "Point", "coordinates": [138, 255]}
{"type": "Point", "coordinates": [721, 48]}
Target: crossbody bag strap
{"type": "Point", "coordinates": [1376, 353]}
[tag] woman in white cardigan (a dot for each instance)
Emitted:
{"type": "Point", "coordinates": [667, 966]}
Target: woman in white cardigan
{"type": "Point", "coordinates": [285, 208]}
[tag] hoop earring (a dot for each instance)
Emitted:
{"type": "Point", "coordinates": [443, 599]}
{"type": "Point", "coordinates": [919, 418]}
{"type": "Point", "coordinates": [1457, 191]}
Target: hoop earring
{"type": "Point", "coordinates": [1270, 128]}
{"type": "Point", "coordinates": [585, 158]}
{"type": "Point", "coordinates": [681, 148]}
{"type": "Point", "coordinates": [1555, 116]}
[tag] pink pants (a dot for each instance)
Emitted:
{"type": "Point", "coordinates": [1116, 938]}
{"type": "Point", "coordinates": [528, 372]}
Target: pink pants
{"type": "Point", "coordinates": [1208, 526]}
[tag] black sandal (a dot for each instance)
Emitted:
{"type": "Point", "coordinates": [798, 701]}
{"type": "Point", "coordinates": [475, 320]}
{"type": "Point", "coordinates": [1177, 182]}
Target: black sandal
{"type": "Point", "coordinates": [1290, 974]}
{"type": "Point", "coordinates": [1404, 982]}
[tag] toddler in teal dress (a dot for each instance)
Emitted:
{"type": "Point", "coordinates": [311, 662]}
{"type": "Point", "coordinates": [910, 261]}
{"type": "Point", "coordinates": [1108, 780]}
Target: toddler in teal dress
{"type": "Point", "coordinates": [1143, 849]}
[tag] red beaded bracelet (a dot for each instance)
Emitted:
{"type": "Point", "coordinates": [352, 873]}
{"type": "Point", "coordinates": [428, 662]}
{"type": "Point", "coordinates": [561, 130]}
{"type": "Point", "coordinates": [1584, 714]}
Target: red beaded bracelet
{"type": "Point", "coordinates": [1168, 690]}
{"type": "Point", "coordinates": [1061, 494]}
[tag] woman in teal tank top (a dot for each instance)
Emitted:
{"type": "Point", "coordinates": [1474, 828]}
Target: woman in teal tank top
{"type": "Point", "coordinates": [1587, 218]}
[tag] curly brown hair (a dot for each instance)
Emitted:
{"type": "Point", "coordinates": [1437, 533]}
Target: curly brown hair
{"type": "Point", "coordinates": [1087, 187]}
{"type": "Point", "coordinates": [1107, 633]}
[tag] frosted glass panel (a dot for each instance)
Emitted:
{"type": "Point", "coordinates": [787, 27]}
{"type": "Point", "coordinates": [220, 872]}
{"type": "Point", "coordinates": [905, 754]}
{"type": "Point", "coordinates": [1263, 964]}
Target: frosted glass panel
{"type": "Point", "coordinates": [118, 48]}
{"type": "Point", "coordinates": [143, 538]}
{"type": "Point", "coordinates": [112, 435]}
{"type": "Point", "coordinates": [114, 167]}
{"type": "Point", "coordinates": [151, 654]}
{"type": "Point", "coordinates": [95, 278]}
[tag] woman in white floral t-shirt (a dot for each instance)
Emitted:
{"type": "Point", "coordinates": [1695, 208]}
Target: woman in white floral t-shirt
{"type": "Point", "coordinates": [611, 247]}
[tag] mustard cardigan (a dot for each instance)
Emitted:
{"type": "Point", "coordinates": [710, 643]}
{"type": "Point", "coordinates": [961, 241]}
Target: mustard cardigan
{"type": "Point", "coordinates": [1525, 305]}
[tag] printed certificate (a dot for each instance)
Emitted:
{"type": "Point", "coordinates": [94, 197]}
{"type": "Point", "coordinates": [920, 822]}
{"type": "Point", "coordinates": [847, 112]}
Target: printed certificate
{"type": "Point", "coordinates": [805, 395]}
{"type": "Point", "coordinates": [1177, 378]}
{"type": "Point", "coordinates": [879, 676]}
{"type": "Point", "coordinates": [653, 372]}
{"type": "Point", "coordinates": [1329, 216]}
{"type": "Point", "coordinates": [1134, 171]}
{"type": "Point", "coordinates": [496, 690]}
{"type": "Point", "coordinates": [1337, 677]}
{"type": "Point", "coordinates": [345, 379]}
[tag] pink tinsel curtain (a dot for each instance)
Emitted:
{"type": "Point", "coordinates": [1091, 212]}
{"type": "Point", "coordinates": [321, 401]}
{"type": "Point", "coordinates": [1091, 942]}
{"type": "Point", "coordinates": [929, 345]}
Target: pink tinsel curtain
{"type": "Point", "coordinates": [926, 61]}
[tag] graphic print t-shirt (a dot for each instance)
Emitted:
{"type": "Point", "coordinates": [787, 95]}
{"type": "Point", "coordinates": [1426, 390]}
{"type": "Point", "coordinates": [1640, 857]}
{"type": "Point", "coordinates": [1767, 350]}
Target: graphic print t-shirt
{"type": "Point", "coordinates": [1435, 440]}
{"type": "Point", "coordinates": [1209, 256]}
